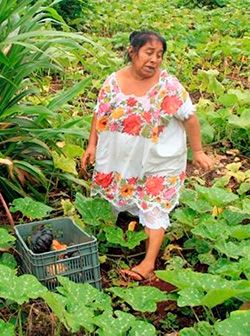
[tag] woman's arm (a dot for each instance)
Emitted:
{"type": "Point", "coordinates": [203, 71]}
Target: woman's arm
{"type": "Point", "coordinates": [200, 159]}
{"type": "Point", "coordinates": [89, 154]}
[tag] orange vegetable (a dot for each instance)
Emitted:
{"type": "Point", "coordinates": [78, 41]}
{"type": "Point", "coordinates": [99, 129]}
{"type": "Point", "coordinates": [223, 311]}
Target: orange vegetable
{"type": "Point", "coordinates": [56, 269]}
{"type": "Point", "coordinates": [57, 246]}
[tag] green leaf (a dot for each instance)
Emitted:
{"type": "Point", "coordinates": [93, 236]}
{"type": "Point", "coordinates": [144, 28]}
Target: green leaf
{"type": "Point", "coordinates": [212, 230]}
{"type": "Point", "coordinates": [226, 267]}
{"type": "Point", "coordinates": [78, 181]}
{"type": "Point", "coordinates": [243, 121]}
{"type": "Point", "coordinates": [57, 304]}
{"type": "Point", "coordinates": [142, 298]}
{"type": "Point", "coordinates": [77, 304]}
{"type": "Point", "coordinates": [207, 131]}
{"type": "Point", "coordinates": [217, 196]}
{"type": "Point", "coordinates": [237, 324]}
{"type": "Point", "coordinates": [130, 239]}
{"type": "Point", "coordinates": [234, 249]}
{"type": "Point", "coordinates": [68, 94]}
{"type": "Point", "coordinates": [72, 151]}
{"type": "Point", "coordinates": [246, 205]}
{"type": "Point", "coordinates": [8, 259]}
{"type": "Point", "coordinates": [192, 200]}
{"type": "Point", "coordinates": [217, 296]}
{"type": "Point", "coordinates": [139, 328]}
{"type": "Point", "coordinates": [200, 329]}
{"type": "Point", "coordinates": [190, 297]}
{"type": "Point", "coordinates": [207, 258]}
{"type": "Point", "coordinates": [228, 99]}
{"type": "Point", "coordinates": [123, 323]}
{"type": "Point", "coordinates": [204, 289]}
{"type": "Point", "coordinates": [30, 208]}
{"type": "Point", "coordinates": [185, 278]}
{"type": "Point", "coordinates": [209, 82]}
{"type": "Point", "coordinates": [66, 164]}
{"type": "Point", "coordinates": [6, 240]}
{"type": "Point", "coordinates": [240, 231]}
{"type": "Point", "coordinates": [108, 323]}
{"type": "Point", "coordinates": [244, 188]}
{"type": "Point", "coordinates": [234, 216]}
{"type": "Point", "coordinates": [175, 262]}
{"type": "Point", "coordinates": [200, 245]}
{"type": "Point", "coordinates": [90, 296]}
{"type": "Point", "coordinates": [7, 329]}
{"type": "Point", "coordinates": [185, 216]}
{"type": "Point", "coordinates": [94, 211]}
{"type": "Point", "coordinates": [242, 96]}
{"type": "Point", "coordinates": [19, 289]}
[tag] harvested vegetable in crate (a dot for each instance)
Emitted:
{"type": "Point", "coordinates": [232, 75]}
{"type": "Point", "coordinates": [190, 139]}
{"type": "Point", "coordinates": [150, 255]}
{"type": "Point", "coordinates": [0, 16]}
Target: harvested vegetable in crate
{"type": "Point", "coordinates": [41, 240]}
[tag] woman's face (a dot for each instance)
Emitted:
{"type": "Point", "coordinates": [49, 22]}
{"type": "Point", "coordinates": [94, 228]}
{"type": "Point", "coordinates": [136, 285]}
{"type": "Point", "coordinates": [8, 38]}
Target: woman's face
{"type": "Point", "coordinates": [147, 60]}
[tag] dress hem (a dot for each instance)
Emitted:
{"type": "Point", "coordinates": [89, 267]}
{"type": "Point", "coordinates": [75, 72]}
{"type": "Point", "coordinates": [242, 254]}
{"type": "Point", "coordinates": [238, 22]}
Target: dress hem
{"type": "Point", "coordinates": [136, 203]}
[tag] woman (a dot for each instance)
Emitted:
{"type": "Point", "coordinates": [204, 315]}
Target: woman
{"type": "Point", "coordinates": [138, 142]}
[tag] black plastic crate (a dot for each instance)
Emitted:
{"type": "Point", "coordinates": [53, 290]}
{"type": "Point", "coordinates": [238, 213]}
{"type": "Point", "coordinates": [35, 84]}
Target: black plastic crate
{"type": "Point", "coordinates": [79, 262]}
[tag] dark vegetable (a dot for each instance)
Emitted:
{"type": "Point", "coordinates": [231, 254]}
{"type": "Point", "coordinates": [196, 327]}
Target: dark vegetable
{"type": "Point", "coordinates": [41, 240]}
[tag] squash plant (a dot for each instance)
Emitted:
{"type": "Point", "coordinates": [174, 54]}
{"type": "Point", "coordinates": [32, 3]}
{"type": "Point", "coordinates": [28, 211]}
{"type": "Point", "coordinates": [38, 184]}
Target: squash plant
{"type": "Point", "coordinates": [100, 221]}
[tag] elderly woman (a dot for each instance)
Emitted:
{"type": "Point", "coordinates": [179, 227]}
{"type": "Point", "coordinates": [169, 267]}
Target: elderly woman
{"type": "Point", "coordinates": [138, 142]}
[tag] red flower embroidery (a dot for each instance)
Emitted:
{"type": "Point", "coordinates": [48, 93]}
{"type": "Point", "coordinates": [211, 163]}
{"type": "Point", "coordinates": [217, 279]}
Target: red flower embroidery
{"type": "Point", "coordinates": [104, 180]}
{"type": "Point", "coordinates": [110, 196]}
{"type": "Point", "coordinates": [171, 104]}
{"type": "Point", "coordinates": [147, 116]}
{"type": "Point", "coordinates": [144, 205]}
{"type": "Point", "coordinates": [131, 102]}
{"type": "Point", "coordinates": [132, 180]}
{"type": "Point", "coordinates": [132, 124]}
{"type": "Point", "coordinates": [154, 185]}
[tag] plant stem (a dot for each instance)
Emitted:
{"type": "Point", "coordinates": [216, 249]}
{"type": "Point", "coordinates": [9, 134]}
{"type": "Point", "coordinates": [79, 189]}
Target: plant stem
{"type": "Point", "coordinates": [58, 329]}
{"type": "Point", "coordinates": [8, 214]}
{"type": "Point", "coordinates": [122, 255]}
{"type": "Point", "coordinates": [196, 316]}
{"type": "Point", "coordinates": [19, 319]}
{"type": "Point", "coordinates": [209, 314]}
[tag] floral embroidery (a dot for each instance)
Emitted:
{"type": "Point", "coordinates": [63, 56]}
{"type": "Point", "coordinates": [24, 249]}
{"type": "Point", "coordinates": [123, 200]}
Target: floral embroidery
{"type": "Point", "coordinates": [127, 190]}
{"type": "Point", "coordinates": [132, 124]}
{"type": "Point", "coordinates": [101, 124]}
{"type": "Point", "coordinates": [131, 102]}
{"type": "Point", "coordinates": [171, 104]}
{"type": "Point", "coordinates": [103, 180]}
{"type": "Point", "coordinates": [154, 185]}
{"type": "Point", "coordinates": [145, 192]}
{"type": "Point", "coordinates": [145, 116]}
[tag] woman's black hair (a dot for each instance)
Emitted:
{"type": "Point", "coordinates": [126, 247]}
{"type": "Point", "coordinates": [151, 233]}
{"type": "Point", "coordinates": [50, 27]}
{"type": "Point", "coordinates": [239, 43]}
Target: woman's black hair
{"type": "Point", "coordinates": [138, 39]}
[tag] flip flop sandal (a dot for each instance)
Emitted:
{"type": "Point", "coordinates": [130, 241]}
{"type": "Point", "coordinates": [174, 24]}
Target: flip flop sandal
{"type": "Point", "coordinates": [137, 276]}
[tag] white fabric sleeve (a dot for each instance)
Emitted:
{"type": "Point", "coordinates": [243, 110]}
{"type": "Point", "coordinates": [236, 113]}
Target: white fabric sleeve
{"type": "Point", "coordinates": [187, 108]}
{"type": "Point", "coordinates": [102, 104]}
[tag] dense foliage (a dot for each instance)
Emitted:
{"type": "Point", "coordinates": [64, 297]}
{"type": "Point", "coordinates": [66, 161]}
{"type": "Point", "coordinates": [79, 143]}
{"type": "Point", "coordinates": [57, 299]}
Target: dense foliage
{"type": "Point", "coordinates": [203, 3]}
{"type": "Point", "coordinates": [74, 12]}
{"type": "Point", "coordinates": [49, 80]}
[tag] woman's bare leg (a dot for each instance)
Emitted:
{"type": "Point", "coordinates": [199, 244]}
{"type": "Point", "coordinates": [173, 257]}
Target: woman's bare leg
{"type": "Point", "coordinates": [153, 245]}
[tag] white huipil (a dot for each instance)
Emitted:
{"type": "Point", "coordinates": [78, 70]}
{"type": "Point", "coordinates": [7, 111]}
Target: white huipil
{"type": "Point", "coordinates": [141, 149]}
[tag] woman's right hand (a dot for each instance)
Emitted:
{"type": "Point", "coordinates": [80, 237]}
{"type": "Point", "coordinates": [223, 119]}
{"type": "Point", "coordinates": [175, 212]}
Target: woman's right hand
{"type": "Point", "coordinates": [88, 158]}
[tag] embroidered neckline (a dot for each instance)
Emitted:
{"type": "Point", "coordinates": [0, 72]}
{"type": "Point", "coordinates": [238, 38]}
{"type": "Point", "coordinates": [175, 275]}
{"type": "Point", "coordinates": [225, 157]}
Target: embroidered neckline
{"type": "Point", "coordinates": [114, 76]}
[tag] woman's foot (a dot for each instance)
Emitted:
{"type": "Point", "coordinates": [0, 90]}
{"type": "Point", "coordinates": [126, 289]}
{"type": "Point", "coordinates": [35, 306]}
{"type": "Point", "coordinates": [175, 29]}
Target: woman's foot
{"type": "Point", "coordinates": [141, 272]}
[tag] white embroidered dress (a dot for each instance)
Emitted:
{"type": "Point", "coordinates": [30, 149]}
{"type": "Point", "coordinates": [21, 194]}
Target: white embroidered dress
{"type": "Point", "coordinates": [141, 149]}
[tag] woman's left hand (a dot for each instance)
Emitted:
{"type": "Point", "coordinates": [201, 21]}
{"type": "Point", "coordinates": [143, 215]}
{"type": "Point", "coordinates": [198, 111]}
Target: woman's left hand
{"type": "Point", "coordinates": [202, 160]}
